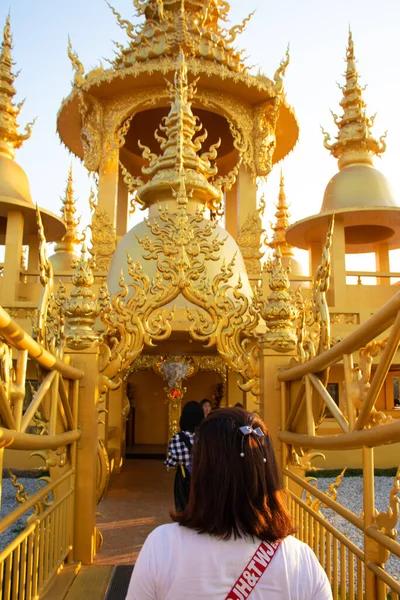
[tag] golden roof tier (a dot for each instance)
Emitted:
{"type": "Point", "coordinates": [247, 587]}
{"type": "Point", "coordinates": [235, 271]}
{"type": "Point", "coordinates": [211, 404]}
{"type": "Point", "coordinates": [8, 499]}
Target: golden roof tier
{"type": "Point", "coordinates": [14, 186]}
{"type": "Point", "coordinates": [358, 192]}
{"type": "Point", "coordinates": [115, 108]}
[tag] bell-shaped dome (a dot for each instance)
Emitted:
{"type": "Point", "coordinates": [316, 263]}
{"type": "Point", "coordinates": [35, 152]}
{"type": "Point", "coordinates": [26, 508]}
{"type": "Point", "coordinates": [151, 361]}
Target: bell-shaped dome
{"type": "Point", "coordinates": [358, 186]}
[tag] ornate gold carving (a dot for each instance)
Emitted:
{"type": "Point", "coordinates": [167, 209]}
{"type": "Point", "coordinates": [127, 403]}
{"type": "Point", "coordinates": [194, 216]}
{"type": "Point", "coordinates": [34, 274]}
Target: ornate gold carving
{"type": "Point", "coordinates": [81, 309]}
{"type": "Point", "coordinates": [355, 142]}
{"type": "Point", "coordinates": [313, 333]}
{"type": "Point", "coordinates": [388, 520]}
{"type": "Point", "coordinates": [47, 281]}
{"type": "Point", "coordinates": [10, 138]}
{"type": "Point", "coordinates": [76, 65]}
{"type": "Point", "coordinates": [361, 376]}
{"type": "Point", "coordinates": [91, 130]}
{"type": "Point", "coordinates": [279, 311]}
{"type": "Point", "coordinates": [250, 241]}
{"type": "Point", "coordinates": [21, 495]}
{"type": "Point", "coordinates": [104, 239]}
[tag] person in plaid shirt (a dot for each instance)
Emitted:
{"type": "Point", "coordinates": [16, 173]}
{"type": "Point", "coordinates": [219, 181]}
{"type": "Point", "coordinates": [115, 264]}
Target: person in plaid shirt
{"type": "Point", "coordinates": [179, 453]}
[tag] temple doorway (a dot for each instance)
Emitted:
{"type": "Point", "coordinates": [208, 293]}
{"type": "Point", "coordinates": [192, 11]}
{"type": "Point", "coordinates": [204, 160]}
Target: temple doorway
{"type": "Point", "coordinates": [147, 425]}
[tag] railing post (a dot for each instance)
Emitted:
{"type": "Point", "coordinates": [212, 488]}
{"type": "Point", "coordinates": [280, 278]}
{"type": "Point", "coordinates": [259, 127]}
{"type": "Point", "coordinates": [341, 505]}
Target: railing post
{"type": "Point", "coordinates": [370, 546]}
{"type": "Point", "coordinates": [84, 545]}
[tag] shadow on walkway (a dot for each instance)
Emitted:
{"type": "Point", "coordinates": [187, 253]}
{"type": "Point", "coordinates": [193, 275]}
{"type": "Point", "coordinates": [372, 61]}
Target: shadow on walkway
{"type": "Point", "coordinates": [138, 500]}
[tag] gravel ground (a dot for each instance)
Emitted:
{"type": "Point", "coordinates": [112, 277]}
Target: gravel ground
{"type": "Point", "coordinates": [349, 495]}
{"type": "Point", "coordinates": [9, 503]}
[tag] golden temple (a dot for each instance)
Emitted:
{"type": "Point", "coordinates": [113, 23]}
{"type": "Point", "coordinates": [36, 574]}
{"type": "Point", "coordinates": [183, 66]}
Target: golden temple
{"type": "Point", "coordinates": [179, 127]}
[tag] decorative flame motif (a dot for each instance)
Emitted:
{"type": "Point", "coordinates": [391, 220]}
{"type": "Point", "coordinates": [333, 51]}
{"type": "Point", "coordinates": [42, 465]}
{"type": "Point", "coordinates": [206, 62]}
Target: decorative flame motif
{"type": "Point", "coordinates": [189, 24]}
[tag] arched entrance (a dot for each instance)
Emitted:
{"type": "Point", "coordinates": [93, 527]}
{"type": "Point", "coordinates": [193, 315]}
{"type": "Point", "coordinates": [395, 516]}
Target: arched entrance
{"type": "Point", "coordinates": [148, 426]}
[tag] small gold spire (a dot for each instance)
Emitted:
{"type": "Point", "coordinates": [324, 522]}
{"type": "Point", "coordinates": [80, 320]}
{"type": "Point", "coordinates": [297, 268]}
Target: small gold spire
{"type": "Point", "coordinates": [355, 143]}
{"type": "Point", "coordinates": [181, 152]}
{"type": "Point", "coordinates": [10, 138]}
{"type": "Point", "coordinates": [282, 223]}
{"type": "Point", "coordinates": [68, 211]}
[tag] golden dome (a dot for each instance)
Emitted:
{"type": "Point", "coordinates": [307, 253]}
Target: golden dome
{"type": "Point", "coordinates": [14, 184]}
{"type": "Point", "coordinates": [358, 186]}
{"type": "Point", "coordinates": [358, 193]}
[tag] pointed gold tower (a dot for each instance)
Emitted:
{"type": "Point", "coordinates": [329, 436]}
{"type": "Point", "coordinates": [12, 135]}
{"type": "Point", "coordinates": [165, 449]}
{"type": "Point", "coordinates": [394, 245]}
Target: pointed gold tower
{"type": "Point", "coordinates": [358, 192]}
{"type": "Point", "coordinates": [17, 212]}
{"type": "Point", "coordinates": [64, 250]}
{"type": "Point", "coordinates": [281, 224]}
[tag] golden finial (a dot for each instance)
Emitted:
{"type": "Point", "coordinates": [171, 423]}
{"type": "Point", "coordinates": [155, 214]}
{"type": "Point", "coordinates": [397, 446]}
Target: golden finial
{"type": "Point", "coordinates": [10, 138]}
{"type": "Point", "coordinates": [282, 223]}
{"type": "Point", "coordinates": [355, 143]}
{"type": "Point", "coordinates": [279, 311]}
{"type": "Point", "coordinates": [81, 309]}
{"type": "Point", "coordinates": [68, 211]}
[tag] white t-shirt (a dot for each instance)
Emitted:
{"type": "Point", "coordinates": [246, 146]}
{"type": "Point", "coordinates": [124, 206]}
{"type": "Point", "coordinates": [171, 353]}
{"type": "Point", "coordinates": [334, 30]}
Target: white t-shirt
{"type": "Point", "coordinates": [176, 563]}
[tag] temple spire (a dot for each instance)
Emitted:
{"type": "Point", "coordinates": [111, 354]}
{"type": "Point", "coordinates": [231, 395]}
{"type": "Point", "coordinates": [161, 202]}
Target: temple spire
{"type": "Point", "coordinates": [10, 138]}
{"type": "Point", "coordinates": [71, 237]}
{"type": "Point", "coordinates": [180, 144]}
{"type": "Point", "coordinates": [355, 142]}
{"type": "Point", "coordinates": [282, 223]}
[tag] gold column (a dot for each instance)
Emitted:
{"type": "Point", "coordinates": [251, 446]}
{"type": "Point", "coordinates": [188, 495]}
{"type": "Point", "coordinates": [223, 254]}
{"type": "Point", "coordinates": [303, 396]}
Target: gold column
{"type": "Point", "coordinates": [231, 212]}
{"type": "Point", "coordinates": [86, 455]}
{"type": "Point", "coordinates": [382, 262]}
{"type": "Point", "coordinates": [369, 516]}
{"type": "Point", "coordinates": [115, 425]}
{"type": "Point", "coordinates": [314, 256]}
{"type": "Point", "coordinates": [108, 186]}
{"type": "Point", "coordinates": [122, 208]}
{"type": "Point", "coordinates": [233, 393]}
{"type": "Point", "coordinates": [12, 256]}
{"type": "Point", "coordinates": [338, 261]}
{"type": "Point", "coordinates": [271, 401]}
{"type": "Point", "coordinates": [246, 189]}
{"type": "Point", "coordinates": [33, 258]}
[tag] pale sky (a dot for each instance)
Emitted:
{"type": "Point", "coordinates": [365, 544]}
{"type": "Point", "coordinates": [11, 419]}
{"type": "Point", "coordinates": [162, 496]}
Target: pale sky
{"type": "Point", "coordinates": [317, 32]}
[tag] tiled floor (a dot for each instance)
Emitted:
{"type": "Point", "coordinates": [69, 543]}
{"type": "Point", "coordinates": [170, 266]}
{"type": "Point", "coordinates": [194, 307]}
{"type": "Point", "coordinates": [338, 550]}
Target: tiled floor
{"type": "Point", "coordinates": [138, 500]}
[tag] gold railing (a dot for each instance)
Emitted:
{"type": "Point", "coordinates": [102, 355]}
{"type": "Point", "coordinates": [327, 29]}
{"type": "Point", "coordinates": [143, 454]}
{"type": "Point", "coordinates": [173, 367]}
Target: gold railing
{"type": "Point", "coordinates": [47, 426]}
{"type": "Point", "coordinates": [354, 571]}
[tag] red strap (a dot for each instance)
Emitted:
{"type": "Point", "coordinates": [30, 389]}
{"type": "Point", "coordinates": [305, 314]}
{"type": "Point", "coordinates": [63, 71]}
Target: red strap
{"type": "Point", "coordinates": [254, 570]}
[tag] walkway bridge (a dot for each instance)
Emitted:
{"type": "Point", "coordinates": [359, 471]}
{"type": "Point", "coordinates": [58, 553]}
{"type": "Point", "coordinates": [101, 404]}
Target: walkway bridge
{"type": "Point", "coordinates": [59, 423]}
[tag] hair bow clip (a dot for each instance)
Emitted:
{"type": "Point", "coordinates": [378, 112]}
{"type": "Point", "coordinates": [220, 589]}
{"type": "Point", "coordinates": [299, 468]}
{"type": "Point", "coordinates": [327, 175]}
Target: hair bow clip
{"type": "Point", "coordinates": [247, 430]}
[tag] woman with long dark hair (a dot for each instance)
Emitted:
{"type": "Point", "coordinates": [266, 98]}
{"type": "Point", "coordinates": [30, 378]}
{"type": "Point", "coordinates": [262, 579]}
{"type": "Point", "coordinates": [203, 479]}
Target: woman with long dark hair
{"type": "Point", "coordinates": [233, 539]}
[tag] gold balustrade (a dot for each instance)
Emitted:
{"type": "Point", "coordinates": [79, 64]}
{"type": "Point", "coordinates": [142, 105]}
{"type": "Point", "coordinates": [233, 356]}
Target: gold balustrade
{"type": "Point", "coordinates": [32, 559]}
{"type": "Point", "coordinates": [354, 572]}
